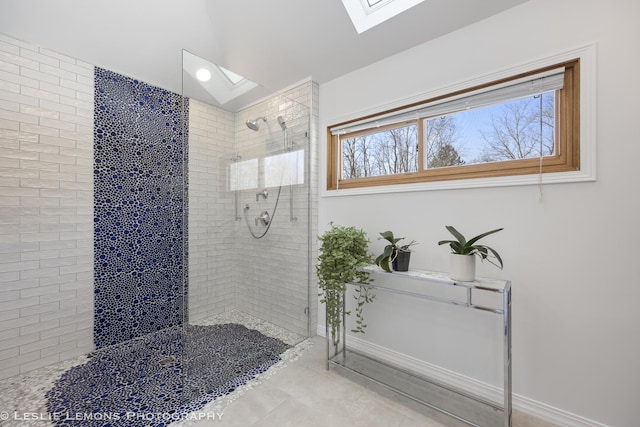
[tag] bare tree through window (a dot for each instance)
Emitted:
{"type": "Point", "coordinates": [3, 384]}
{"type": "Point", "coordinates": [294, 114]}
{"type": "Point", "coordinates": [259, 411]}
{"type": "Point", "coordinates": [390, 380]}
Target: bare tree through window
{"type": "Point", "coordinates": [387, 152]}
{"type": "Point", "coordinates": [441, 135]}
{"type": "Point", "coordinates": [521, 130]}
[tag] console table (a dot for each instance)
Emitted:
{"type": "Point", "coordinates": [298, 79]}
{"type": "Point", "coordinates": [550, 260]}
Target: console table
{"type": "Point", "coordinates": [454, 402]}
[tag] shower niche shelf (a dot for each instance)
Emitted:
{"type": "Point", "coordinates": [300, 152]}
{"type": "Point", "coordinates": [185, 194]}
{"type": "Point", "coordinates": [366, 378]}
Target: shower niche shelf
{"type": "Point", "coordinates": [462, 405]}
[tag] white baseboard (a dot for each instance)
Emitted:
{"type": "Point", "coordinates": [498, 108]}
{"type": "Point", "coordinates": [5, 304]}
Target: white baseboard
{"type": "Point", "coordinates": [520, 403]}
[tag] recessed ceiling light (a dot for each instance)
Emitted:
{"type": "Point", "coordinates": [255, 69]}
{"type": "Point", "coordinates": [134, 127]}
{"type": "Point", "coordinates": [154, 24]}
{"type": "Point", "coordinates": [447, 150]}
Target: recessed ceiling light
{"type": "Point", "coordinates": [203, 74]}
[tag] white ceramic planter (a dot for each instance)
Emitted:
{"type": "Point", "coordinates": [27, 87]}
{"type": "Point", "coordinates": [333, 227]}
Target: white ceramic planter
{"type": "Point", "coordinates": [462, 267]}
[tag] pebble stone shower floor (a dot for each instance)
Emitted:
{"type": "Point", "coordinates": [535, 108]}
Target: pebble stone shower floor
{"type": "Point", "coordinates": [153, 380]}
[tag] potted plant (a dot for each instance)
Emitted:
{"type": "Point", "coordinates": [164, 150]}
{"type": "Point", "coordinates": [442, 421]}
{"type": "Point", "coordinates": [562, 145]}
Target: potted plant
{"type": "Point", "coordinates": [342, 253]}
{"type": "Point", "coordinates": [397, 255]}
{"type": "Point", "coordinates": [463, 265]}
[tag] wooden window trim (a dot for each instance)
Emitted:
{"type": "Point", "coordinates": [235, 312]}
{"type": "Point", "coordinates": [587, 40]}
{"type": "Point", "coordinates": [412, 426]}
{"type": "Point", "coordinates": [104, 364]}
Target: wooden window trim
{"type": "Point", "coordinates": [565, 159]}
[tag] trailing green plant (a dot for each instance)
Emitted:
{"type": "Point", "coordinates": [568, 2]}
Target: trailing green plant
{"type": "Point", "coordinates": [342, 253]}
{"type": "Point", "coordinates": [363, 295]}
{"type": "Point", "coordinates": [462, 246]}
{"type": "Point", "coordinates": [390, 251]}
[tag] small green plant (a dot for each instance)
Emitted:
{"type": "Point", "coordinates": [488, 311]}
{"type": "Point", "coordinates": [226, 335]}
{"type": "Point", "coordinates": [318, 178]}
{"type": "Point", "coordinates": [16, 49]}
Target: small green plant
{"type": "Point", "coordinates": [462, 246]}
{"type": "Point", "coordinates": [342, 253]}
{"type": "Point", "coordinates": [384, 260]}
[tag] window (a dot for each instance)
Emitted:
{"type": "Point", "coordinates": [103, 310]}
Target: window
{"type": "Point", "coordinates": [524, 124]}
{"type": "Point", "coordinates": [390, 151]}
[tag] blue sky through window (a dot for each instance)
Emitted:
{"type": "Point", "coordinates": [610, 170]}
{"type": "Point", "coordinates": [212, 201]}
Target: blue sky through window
{"type": "Point", "coordinates": [478, 131]}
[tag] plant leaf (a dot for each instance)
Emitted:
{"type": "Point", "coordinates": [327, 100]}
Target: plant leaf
{"type": "Point", "coordinates": [455, 246]}
{"type": "Point", "coordinates": [495, 254]}
{"type": "Point", "coordinates": [445, 242]}
{"type": "Point", "coordinates": [379, 258]}
{"type": "Point", "coordinates": [480, 250]}
{"type": "Point", "coordinates": [384, 263]}
{"type": "Point", "coordinates": [456, 234]}
{"type": "Point", "coordinates": [388, 236]}
{"type": "Point", "coordinates": [388, 251]}
{"type": "Point", "coordinates": [480, 236]}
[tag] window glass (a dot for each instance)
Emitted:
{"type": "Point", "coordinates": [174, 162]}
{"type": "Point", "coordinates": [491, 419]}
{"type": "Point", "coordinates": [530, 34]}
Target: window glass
{"type": "Point", "coordinates": [518, 129]}
{"type": "Point", "coordinates": [390, 151]}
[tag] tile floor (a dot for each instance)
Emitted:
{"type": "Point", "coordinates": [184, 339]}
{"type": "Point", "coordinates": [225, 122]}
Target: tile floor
{"type": "Point", "coordinates": [305, 394]}
{"type": "Point", "coordinates": [297, 392]}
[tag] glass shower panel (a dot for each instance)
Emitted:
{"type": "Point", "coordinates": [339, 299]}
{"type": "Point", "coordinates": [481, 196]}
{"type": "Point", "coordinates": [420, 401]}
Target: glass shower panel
{"type": "Point", "coordinates": [247, 237]}
{"type": "Point", "coordinates": [272, 266]}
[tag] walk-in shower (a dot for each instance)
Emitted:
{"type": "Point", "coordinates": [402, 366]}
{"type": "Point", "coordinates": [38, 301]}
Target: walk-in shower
{"type": "Point", "coordinates": [169, 301]}
{"type": "Point", "coordinates": [251, 222]}
{"type": "Point", "coordinates": [188, 315]}
{"type": "Point", "coordinates": [249, 215]}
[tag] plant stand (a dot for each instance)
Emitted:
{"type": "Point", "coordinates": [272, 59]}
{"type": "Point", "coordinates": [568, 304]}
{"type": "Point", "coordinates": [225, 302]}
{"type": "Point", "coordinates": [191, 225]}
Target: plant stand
{"type": "Point", "coordinates": [459, 404]}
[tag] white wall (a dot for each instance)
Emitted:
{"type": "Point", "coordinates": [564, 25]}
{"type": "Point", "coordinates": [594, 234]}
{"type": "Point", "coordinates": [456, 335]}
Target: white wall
{"type": "Point", "coordinates": [576, 324]}
{"type": "Point", "coordinates": [46, 207]}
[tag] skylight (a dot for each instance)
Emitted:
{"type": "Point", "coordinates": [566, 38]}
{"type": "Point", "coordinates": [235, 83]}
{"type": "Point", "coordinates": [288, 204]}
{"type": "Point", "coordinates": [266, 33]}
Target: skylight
{"type": "Point", "coordinates": [233, 77]}
{"type": "Point", "coordinates": [366, 14]}
{"type": "Point", "coordinates": [223, 85]}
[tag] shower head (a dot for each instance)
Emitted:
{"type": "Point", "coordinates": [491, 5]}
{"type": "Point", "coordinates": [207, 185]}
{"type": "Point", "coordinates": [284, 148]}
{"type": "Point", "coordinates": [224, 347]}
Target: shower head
{"type": "Point", "coordinates": [282, 123]}
{"type": "Point", "coordinates": [253, 124]}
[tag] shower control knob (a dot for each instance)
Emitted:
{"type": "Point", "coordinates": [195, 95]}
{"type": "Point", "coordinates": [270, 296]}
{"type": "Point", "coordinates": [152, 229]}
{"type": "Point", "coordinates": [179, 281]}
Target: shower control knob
{"type": "Point", "coordinates": [264, 219]}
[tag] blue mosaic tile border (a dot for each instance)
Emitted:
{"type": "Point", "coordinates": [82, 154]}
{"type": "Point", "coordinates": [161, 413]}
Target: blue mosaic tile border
{"type": "Point", "coordinates": [139, 204]}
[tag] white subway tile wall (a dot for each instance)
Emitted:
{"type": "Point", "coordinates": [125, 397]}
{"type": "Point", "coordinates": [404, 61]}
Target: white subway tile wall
{"type": "Point", "coordinates": [229, 269]}
{"type": "Point", "coordinates": [211, 212]}
{"type": "Point", "coordinates": [272, 273]}
{"type": "Point", "coordinates": [46, 207]}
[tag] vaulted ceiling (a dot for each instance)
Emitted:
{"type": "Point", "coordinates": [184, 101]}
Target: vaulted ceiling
{"type": "Point", "coordinates": [275, 43]}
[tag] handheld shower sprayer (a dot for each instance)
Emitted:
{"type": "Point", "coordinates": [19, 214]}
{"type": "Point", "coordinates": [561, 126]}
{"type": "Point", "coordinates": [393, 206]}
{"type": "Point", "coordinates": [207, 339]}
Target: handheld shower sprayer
{"type": "Point", "coordinates": [282, 123]}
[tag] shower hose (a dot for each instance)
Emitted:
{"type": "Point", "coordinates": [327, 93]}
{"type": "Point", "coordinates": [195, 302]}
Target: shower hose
{"type": "Point", "coordinates": [273, 214]}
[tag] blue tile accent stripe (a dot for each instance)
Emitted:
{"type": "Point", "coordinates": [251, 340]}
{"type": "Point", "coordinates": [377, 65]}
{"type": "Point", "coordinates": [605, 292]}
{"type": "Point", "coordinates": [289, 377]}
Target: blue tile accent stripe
{"type": "Point", "coordinates": [139, 202]}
